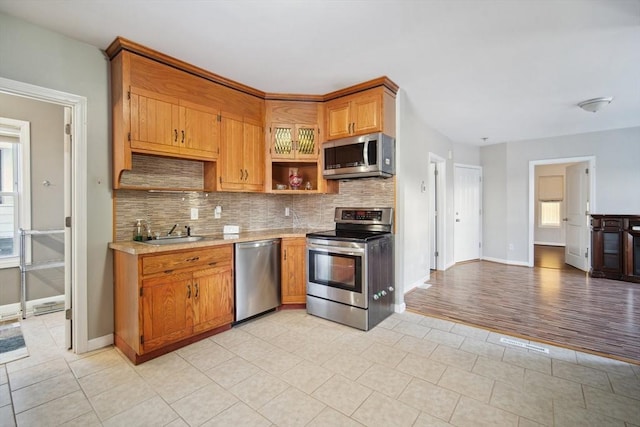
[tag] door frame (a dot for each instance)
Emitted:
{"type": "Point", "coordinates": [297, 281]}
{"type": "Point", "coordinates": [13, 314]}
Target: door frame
{"type": "Point", "coordinates": [78, 105]}
{"type": "Point", "coordinates": [441, 224]}
{"type": "Point", "coordinates": [532, 196]}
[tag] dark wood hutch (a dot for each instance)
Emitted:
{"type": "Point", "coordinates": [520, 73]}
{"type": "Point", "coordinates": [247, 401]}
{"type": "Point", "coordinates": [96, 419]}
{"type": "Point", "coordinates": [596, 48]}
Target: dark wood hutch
{"type": "Point", "coordinates": [615, 245]}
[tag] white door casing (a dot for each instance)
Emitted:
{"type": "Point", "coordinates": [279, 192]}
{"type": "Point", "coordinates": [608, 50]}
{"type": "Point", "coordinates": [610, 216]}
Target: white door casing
{"type": "Point", "coordinates": [436, 216]}
{"type": "Point", "coordinates": [78, 203]}
{"type": "Point", "coordinates": [68, 289]}
{"type": "Point", "coordinates": [577, 216]}
{"type": "Point", "coordinates": [591, 198]}
{"type": "Point", "coordinates": [468, 210]}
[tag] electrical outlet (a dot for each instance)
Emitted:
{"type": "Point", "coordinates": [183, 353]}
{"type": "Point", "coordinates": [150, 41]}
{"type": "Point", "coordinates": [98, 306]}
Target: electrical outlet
{"type": "Point", "coordinates": [194, 213]}
{"type": "Point", "coordinates": [287, 212]}
{"type": "Point", "coordinates": [217, 212]}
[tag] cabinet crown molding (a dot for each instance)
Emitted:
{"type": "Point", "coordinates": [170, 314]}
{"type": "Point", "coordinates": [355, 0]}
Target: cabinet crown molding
{"type": "Point", "coordinates": [121, 43]}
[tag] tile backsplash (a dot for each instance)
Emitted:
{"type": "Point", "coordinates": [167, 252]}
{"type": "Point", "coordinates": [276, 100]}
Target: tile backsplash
{"type": "Point", "coordinates": [250, 211]}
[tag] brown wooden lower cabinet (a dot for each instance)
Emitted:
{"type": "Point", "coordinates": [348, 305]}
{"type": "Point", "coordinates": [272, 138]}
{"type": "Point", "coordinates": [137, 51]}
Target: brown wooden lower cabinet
{"type": "Point", "coordinates": [294, 286]}
{"type": "Point", "coordinates": [166, 301]}
{"type": "Point", "coordinates": [615, 246]}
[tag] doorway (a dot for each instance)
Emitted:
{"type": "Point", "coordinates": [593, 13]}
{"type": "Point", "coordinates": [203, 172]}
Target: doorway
{"type": "Point", "coordinates": [560, 217]}
{"type": "Point", "coordinates": [75, 207]}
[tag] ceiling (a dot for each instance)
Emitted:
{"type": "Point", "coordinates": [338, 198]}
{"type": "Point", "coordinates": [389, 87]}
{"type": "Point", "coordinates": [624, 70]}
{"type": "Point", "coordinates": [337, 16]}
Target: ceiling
{"type": "Point", "coordinates": [505, 70]}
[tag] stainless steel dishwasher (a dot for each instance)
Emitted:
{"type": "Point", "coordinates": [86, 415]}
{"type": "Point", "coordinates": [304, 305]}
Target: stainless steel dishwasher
{"type": "Point", "coordinates": [257, 277]}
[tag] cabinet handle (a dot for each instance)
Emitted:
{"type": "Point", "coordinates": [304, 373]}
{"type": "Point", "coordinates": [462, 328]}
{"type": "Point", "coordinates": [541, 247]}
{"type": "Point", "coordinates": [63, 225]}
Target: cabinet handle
{"type": "Point", "coordinates": [212, 264]}
{"type": "Point", "coordinates": [241, 175]}
{"type": "Point", "coordinates": [175, 135]}
{"type": "Point", "coordinates": [197, 289]}
{"type": "Point", "coordinates": [246, 174]}
{"type": "Point", "coordinates": [195, 258]}
{"type": "Point", "coordinates": [183, 137]}
{"type": "Point", "coordinates": [188, 291]}
{"type": "Point", "coordinates": [285, 254]}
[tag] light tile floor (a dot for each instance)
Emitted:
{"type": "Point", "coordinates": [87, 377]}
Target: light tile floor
{"type": "Point", "coordinates": [292, 369]}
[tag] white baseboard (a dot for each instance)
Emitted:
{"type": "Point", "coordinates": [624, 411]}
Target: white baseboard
{"type": "Point", "coordinates": [549, 244]}
{"type": "Point", "coordinates": [400, 308]}
{"type": "Point", "coordinates": [100, 342]}
{"type": "Point", "coordinates": [14, 311]}
{"type": "Point", "coordinates": [417, 283]}
{"type": "Point", "coordinates": [508, 262]}
{"type": "Point", "coordinates": [448, 266]}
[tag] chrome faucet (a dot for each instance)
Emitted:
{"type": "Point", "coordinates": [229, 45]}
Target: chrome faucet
{"type": "Point", "coordinates": [172, 229]}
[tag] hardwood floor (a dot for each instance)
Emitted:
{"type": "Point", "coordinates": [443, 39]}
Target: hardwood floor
{"type": "Point", "coordinates": [561, 306]}
{"type": "Point", "coordinates": [549, 257]}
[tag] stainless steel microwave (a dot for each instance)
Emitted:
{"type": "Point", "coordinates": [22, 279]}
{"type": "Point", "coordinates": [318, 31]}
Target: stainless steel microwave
{"type": "Point", "coordinates": [359, 157]}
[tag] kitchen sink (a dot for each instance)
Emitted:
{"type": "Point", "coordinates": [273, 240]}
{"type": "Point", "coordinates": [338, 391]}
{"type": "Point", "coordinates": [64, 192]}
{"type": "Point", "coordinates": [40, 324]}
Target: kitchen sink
{"type": "Point", "coordinates": [173, 240]}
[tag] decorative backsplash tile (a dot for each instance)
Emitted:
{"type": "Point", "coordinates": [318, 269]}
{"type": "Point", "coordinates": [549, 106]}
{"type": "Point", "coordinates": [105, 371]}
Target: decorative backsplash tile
{"type": "Point", "coordinates": [250, 211]}
{"type": "Point", "coordinates": [154, 171]}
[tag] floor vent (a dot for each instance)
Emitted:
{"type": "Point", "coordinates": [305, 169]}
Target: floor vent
{"type": "Point", "coordinates": [48, 307]}
{"type": "Point", "coordinates": [528, 346]}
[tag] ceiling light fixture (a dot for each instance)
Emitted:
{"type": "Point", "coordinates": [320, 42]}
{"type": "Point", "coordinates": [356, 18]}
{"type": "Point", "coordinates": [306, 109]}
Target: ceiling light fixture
{"type": "Point", "coordinates": [595, 104]}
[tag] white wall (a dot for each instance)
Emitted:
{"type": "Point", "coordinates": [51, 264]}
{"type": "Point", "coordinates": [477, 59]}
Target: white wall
{"type": "Point", "coordinates": [415, 141]}
{"type": "Point", "coordinates": [506, 171]}
{"type": "Point", "coordinates": [33, 55]}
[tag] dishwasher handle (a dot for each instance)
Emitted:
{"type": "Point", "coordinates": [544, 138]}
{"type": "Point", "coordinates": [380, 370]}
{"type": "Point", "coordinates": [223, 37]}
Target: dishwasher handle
{"type": "Point", "coordinates": [257, 244]}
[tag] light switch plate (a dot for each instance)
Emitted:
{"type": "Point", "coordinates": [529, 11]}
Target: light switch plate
{"type": "Point", "coordinates": [231, 229]}
{"type": "Point", "coordinates": [194, 213]}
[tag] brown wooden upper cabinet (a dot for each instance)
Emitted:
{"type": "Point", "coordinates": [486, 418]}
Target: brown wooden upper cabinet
{"type": "Point", "coordinates": [365, 112]}
{"type": "Point", "coordinates": [242, 154]}
{"type": "Point", "coordinates": [294, 142]}
{"type": "Point", "coordinates": [162, 124]}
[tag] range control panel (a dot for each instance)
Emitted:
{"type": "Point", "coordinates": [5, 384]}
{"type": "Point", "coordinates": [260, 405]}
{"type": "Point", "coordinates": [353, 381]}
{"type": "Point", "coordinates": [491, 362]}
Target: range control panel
{"type": "Point", "coordinates": [364, 215]}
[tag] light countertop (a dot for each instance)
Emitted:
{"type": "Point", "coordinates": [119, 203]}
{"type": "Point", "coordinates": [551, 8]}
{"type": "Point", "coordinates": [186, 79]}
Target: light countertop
{"type": "Point", "coordinates": [138, 248]}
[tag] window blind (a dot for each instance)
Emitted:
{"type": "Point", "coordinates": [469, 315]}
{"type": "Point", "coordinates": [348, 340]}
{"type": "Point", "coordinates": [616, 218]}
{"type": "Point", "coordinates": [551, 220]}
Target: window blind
{"type": "Point", "coordinates": [551, 188]}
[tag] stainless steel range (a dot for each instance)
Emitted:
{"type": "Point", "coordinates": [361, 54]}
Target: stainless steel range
{"type": "Point", "coordinates": [350, 270]}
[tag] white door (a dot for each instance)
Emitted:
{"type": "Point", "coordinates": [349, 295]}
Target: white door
{"type": "Point", "coordinates": [466, 231]}
{"type": "Point", "coordinates": [67, 230]}
{"type": "Point", "coordinates": [577, 218]}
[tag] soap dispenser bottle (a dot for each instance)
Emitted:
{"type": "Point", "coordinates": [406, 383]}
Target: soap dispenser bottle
{"type": "Point", "coordinates": [137, 231]}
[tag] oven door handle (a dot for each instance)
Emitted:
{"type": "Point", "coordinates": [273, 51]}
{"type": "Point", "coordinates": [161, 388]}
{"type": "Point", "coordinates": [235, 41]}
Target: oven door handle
{"type": "Point", "coordinates": [337, 250]}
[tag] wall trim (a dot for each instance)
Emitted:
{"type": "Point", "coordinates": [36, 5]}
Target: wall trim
{"type": "Point", "coordinates": [417, 283]}
{"type": "Point", "coordinates": [505, 261]}
{"type": "Point", "coordinates": [100, 342]}
{"type": "Point", "coordinates": [549, 244]}
{"type": "Point", "coordinates": [400, 308]}
{"type": "Point", "coordinates": [14, 311]}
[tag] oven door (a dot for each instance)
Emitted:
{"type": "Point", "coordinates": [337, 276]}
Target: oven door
{"type": "Point", "coordinates": [336, 271]}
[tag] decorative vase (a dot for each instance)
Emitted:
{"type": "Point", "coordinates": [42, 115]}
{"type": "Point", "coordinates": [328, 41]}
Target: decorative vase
{"type": "Point", "coordinates": [295, 179]}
